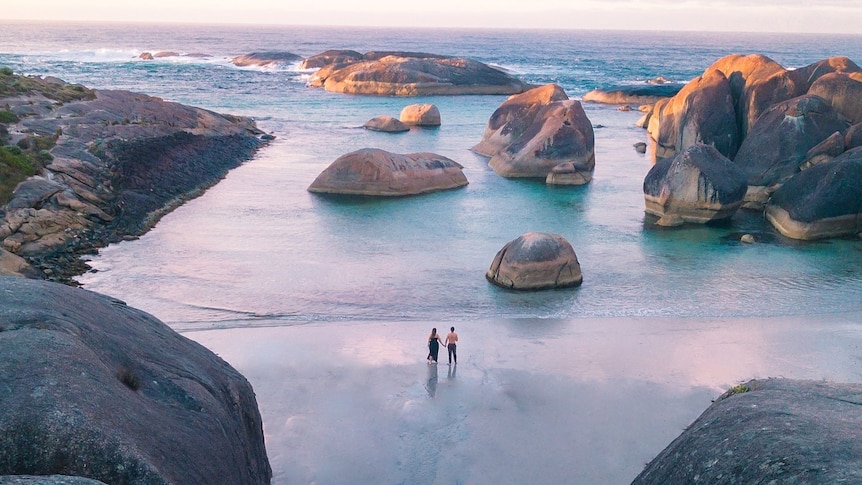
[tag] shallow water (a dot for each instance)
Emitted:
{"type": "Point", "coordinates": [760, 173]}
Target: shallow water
{"type": "Point", "coordinates": [258, 244]}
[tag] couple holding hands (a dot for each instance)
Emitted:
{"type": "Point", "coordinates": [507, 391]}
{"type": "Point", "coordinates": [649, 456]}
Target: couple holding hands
{"type": "Point", "coordinates": [434, 343]}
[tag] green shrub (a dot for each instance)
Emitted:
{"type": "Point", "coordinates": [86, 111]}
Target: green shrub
{"type": "Point", "coordinates": [8, 117]}
{"type": "Point", "coordinates": [6, 71]}
{"type": "Point", "coordinates": [15, 166]}
{"type": "Point", "coordinates": [44, 156]}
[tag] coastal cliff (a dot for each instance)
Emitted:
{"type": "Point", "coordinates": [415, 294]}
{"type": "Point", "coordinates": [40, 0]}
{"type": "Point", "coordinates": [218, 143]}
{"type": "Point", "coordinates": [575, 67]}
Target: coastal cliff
{"type": "Point", "coordinates": [83, 168]}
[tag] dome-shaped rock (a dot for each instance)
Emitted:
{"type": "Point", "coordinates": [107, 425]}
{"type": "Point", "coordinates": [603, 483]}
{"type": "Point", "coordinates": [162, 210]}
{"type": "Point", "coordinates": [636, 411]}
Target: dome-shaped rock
{"type": "Point", "coordinates": [844, 93]}
{"type": "Point", "coordinates": [778, 143]}
{"type": "Point", "coordinates": [822, 201]}
{"type": "Point", "coordinates": [531, 133]}
{"type": "Point", "coordinates": [698, 185]}
{"type": "Point", "coordinates": [95, 388]}
{"type": "Point", "coordinates": [266, 59]}
{"type": "Point", "coordinates": [536, 261]}
{"type": "Point", "coordinates": [372, 171]}
{"type": "Point", "coordinates": [330, 57]}
{"type": "Point", "coordinates": [420, 115]}
{"type": "Point", "coordinates": [385, 124]}
{"type": "Point", "coordinates": [702, 112]}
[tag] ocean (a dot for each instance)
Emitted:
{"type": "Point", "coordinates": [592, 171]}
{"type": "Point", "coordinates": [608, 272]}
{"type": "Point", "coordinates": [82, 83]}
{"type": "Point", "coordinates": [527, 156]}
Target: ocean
{"type": "Point", "coordinates": [259, 245]}
{"type": "Point", "coordinates": [324, 303]}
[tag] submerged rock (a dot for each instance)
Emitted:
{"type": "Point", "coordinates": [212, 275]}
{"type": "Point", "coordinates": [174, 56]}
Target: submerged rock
{"type": "Point", "coordinates": [536, 261]}
{"type": "Point", "coordinates": [769, 431]}
{"type": "Point", "coordinates": [266, 59]}
{"type": "Point", "coordinates": [386, 124]}
{"type": "Point", "coordinates": [822, 201]}
{"type": "Point", "coordinates": [105, 391]}
{"type": "Point", "coordinates": [698, 185]}
{"type": "Point", "coordinates": [647, 93]}
{"type": "Point", "coordinates": [376, 172]}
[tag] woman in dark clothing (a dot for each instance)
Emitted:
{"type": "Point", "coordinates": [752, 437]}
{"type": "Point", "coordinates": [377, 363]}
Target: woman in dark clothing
{"type": "Point", "coordinates": [434, 343]}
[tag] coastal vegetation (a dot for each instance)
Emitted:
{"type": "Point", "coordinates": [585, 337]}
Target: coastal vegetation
{"type": "Point", "coordinates": [12, 84]}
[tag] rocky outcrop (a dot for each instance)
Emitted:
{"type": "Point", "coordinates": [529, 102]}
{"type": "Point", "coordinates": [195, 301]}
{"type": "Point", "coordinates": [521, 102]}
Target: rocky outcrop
{"type": "Point", "coordinates": [647, 93]}
{"type": "Point", "coordinates": [108, 392]}
{"type": "Point", "coordinates": [778, 143]}
{"type": "Point", "coordinates": [375, 172]}
{"type": "Point", "coordinates": [119, 162]}
{"type": "Point", "coordinates": [47, 480]}
{"type": "Point", "coordinates": [420, 115]}
{"type": "Point", "coordinates": [701, 113]}
{"type": "Point", "coordinates": [266, 59]}
{"type": "Point", "coordinates": [385, 124]}
{"type": "Point", "coordinates": [698, 185]}
{"type": "Point", "coordinates": [415, 74]}
{"type": "Point", "coordinates": [330, 57]}
{"type": "Point", "coordinates": [769, 431]}
{"type": "Point", "coordinates": [821, 202]}
{"type": "Point", "coordinates": [530, 134]}
{"type": "Point", "coordinates": [536, 261]}
{"type": "Point", "coordinates": [853, 137]}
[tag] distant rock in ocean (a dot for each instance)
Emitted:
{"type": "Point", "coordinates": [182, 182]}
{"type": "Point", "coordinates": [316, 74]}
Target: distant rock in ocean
{"type": "Point", "coordinates": [330, 57]}
{"type": "Point", "coordinates": [532, 133]}
{"type": "Point", "coordinates": [376, 172]}
{"type": "Point", "coordinates": [266, 59]}
{"type": "Point", "coordinates": [413, 74]}
{"type": "Point", "coordinates": [149, 56]}
{"type": "Point", "coordinates": [105, 391]}
{"type": "Point", "coordinates": [536, 261]}
{"type": "Point", "coordinates": [646, 93]}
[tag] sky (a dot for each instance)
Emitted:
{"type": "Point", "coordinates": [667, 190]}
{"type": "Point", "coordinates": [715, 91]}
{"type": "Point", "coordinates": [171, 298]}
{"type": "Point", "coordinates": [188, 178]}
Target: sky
{"type": "Point", "coordinates": [821, 16]}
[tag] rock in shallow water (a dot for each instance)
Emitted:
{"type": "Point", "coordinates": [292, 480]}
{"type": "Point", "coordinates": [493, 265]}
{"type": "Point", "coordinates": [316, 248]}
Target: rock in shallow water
{"type": "Point", "coordinates": [536, 261]}
{"type": "Point", "coordinates": [376, 172]}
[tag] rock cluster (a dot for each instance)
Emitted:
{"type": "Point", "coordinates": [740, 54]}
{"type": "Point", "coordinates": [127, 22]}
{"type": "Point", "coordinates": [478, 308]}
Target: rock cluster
{"type": "Point", "coordinates": [540, 134]}
{"type": "Point", "coordinates": [409, 74]}
{"type": "Point", "coordinates": [376, 172]}
{"type": "Point", "coordinates": [536, 261]}
{"type": "Point", "coordinates": [697, 185]}
{"type": "Point", "coordinates": [104, 391]}
{"type": "Point", "coordinates": [769, 431]}
{"type": "Point", "coordinates": [120, 161]}
{"type": "Point", "coordinates": [774, 124]}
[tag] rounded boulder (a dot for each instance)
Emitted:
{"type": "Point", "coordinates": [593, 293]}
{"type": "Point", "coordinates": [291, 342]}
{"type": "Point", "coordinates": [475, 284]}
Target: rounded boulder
{"type": "Point", "coordinates": [420, 115]}
{"type": "Point", "coordinates": [698, 185]}
{"type": "Point", "coordinates": [386, 124]}
{"type": "Point", "coordinates": [536, 261]}
{"type": "Point", "coordinates": [375, 172]}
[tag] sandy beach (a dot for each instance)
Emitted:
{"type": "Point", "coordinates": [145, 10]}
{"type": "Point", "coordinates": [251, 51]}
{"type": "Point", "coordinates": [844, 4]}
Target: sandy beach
{"type": "Point", "coordinates": [580, 401]}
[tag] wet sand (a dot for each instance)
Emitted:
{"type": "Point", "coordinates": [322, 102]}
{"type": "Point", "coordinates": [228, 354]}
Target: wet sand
{"type": "Point", "coordinates": [530, 401]}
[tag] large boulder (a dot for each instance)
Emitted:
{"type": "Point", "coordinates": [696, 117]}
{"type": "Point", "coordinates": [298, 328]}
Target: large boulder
{"type": "Point", "coordinates": [376, 172]}
{"type": "Point", "coordinates": [698, 185]}
{"type": "Point", "coordinates": [420, 115]}
{"type": "Point", "coordinates": [512, 118]}
{"type": "Point", "coordinates": [385, 124]}
{"type": "Point", "coordinates": [853, 137]}
{"type": "Point", "coordinates": [844, 93]}
{"type": "Point", "coordinates": [266, 59]}
{"type": "Point", "coordinates": [757, 83]}
{"type": "Point", "coordinates": [808, 75]}
{"type": "Point", "coordinates": [397, 75]}
{"type": "Point", "coordinates": [702, 112]}
{"type": "Point", "coordinates": [536, 261]}
{"type": "Point", "coordinates": [96, 389]}
{"type": "Point", "coordinates": [778, 143]}
{"type": "Point", "coordinates": [822, 201]}
{"type": "Point", "coordinates": [530, 134]}
{"type": "Point", "coordinates": [769, 431]}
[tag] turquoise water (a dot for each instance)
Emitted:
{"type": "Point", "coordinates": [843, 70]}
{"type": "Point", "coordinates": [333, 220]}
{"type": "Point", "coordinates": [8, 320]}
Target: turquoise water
{"type": "Point", "coordinates": [258, 248]}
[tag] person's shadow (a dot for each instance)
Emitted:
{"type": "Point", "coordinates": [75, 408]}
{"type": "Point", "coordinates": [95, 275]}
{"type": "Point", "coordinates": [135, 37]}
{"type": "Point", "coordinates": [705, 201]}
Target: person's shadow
{"type": "Point", "coordinates": [431, 385]}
